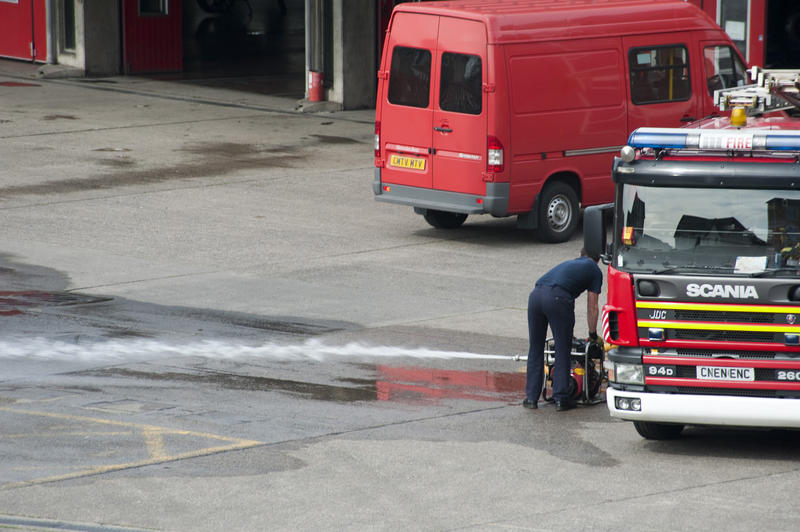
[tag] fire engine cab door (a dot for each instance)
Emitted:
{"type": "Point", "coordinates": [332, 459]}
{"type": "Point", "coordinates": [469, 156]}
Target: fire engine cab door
{"type": "Point", "coordinates": [459, 103]}
{"type": "Point", "coordinates": [407, 100]}
{"type": "Point", "coordinates": [660, 82]}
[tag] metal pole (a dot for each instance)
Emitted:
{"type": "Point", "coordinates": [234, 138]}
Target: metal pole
{"type": "Point", "coordinates": [308, 42]}
{"type": "Point", "coordinates": [315, 14]}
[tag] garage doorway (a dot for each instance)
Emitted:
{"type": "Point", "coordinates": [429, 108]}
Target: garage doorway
{"type": "Point", "coordinates": [249, 45]}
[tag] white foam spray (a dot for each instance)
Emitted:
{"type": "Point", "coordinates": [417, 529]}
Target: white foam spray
{"type": "Point", "coordinates": [137, 349]}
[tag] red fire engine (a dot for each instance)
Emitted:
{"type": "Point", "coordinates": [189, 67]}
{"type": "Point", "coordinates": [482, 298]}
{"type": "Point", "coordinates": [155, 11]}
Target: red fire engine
{"type": "Point", "coordinates": [703, 306]}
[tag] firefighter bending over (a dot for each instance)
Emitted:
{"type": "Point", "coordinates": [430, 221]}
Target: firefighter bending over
{"type": "Point", "coordinates": [552, 302]}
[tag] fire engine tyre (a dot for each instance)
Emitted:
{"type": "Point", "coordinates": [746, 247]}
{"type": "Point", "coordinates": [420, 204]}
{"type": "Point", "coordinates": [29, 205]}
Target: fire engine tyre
{"type": "Point", "coordinates": [558, 212]}
{"type": "Point", "coordinates": [444, 220]}
{"type": "Point", "coordinates": [657, 431]}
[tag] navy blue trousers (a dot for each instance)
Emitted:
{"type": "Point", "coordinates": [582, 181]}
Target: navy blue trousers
{"type": "Point", "coordinates": [553, 306]}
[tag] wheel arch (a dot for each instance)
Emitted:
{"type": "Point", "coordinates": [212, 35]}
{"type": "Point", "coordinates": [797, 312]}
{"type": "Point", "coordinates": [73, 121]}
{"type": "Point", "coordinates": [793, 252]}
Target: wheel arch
{"type": "Point", "coordinates": [570, 177]}
{"type": "Point", "coordinates": [529, 219]}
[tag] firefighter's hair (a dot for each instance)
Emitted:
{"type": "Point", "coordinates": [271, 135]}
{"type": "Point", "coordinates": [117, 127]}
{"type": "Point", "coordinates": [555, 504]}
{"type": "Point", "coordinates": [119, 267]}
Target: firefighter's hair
{"type": "Point", "coordinates": [585, 253]}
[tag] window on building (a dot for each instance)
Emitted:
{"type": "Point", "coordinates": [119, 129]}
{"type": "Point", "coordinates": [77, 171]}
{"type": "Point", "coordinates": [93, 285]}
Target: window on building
{"type": "Point", "coordinates": [410, 77]}
{"type": "Point", "coordinates": [659, 74]}
{"type": "Point", "coordinates": [723, 68]}
{"type": "Point", "coordinates": [152, 7]}
{"type": "Point", "coordinates": [733, 19]}
{"type": "Point", "coordinates": [461, 84]}
{"type": "Point", "coordinates": [68, 26]}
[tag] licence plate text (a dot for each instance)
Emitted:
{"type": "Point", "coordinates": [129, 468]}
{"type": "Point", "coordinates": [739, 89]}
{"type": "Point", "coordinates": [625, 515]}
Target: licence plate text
{"type": "Point", "coordinates": [407, 162]}
{"type": "Point", "coordinates": [715, 373]}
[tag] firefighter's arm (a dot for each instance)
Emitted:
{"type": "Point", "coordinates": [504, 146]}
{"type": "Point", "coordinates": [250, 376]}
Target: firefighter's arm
{"type": "Point", "coordinates": [592, 312]}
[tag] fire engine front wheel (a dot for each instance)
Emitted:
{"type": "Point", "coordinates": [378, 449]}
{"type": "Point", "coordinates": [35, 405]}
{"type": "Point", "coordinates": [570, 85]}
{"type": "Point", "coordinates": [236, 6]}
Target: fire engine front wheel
{"type": "Point", "coordinates": [443, 219]}
{"type": "Point", "coordinates": [657, 431]}
{"type": "Point", "coordinates": [558, 212]}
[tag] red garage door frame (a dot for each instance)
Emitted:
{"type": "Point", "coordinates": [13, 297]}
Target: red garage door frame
{"type": "Point", "coordinates": [152, 36]}
{"type": "Point", "coordinates": [23, 29]}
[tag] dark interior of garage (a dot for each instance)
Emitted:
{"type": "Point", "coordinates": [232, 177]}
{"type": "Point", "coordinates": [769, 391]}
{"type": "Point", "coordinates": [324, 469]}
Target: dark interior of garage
{"type": "Point", "coordinates": [783, 34]}
{"type": "Point", "coordinates": [249, 45]}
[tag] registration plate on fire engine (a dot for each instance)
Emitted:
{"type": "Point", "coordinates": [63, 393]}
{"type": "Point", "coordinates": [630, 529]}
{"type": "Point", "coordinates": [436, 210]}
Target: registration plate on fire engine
{"type": "Point", "coordinates": [716, 373]}
{"type": "Point", "coordinates": [414, 163]}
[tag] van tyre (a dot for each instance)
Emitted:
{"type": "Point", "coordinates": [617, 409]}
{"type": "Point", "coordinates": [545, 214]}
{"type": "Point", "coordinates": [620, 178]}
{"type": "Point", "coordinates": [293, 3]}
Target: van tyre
{"type": "Point", "coordinates": [657, 431]}
{"type": "Point", "coordinates": [558, 212]}
{"type": "Point", "coordinates": [443, 219]}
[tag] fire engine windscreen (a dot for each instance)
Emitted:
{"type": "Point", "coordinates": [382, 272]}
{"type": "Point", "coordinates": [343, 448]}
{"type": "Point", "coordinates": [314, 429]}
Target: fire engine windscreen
{"type": "Point", "coordinates": [703, 230]}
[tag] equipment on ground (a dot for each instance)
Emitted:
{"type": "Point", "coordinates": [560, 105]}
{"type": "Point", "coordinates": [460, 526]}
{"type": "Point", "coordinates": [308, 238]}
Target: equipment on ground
{"type": "Point", "coordinates": [586, 371]}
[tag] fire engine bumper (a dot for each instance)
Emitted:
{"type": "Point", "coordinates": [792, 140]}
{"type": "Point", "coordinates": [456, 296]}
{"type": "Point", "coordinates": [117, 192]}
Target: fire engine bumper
{"type": "Point", "coordinates": [494, 202]}
{"type": "Point", "coordinates": [706, 409]}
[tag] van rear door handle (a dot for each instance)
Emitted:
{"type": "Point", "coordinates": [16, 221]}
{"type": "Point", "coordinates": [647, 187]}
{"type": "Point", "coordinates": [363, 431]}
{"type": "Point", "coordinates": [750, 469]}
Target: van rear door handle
{"type": "Point", "coordinates": [442, 129]}
{"type": "Point", "coordinates": [688, 119]}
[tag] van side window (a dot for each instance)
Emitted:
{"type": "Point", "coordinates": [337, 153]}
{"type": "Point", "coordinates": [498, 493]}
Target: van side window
{"type": "Point", "coordinates": [461, 87]}
{"type": "Point", "coordinates": [659, 74]}
{"type": "Point", "coordinates": [723, 68]}
{"type": "Point", "coordinates": [410, 77]}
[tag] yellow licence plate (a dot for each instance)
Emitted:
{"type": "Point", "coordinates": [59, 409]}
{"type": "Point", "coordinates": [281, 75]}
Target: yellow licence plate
{"type": "Point", "coordinates": [407, 162]}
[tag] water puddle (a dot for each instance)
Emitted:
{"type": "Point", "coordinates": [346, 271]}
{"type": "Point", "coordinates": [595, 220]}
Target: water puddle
{"type": "Point", "coordinates": [19, 300]}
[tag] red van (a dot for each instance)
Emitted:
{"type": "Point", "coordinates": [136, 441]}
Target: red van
{"type": "Point", "coordinates": [516, 108]}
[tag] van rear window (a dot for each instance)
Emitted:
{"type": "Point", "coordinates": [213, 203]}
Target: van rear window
{"type": "Point", "coordinates": [461, 84]}
{"type": "Point", "coordinates": [659, 74]}
{"type": "Point", "coordinates": [410, 77]}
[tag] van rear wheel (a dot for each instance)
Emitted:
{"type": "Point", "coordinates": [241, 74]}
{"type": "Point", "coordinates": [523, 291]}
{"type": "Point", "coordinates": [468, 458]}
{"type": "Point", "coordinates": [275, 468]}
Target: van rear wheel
{"type": "Point", "coordinates": [444, 219]}
{"type": "Point", "coordinates": [558, 212]}
{"type": "Point", "coordinates": [657, 431]}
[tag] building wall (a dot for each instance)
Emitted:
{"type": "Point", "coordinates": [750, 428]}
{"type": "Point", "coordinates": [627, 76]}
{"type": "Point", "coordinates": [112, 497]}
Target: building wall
{"type": "Point", "coordinates": [102, 39]}
{"type": "Point", "coordinates": [755, 22]}
{"type": "Point", "coordinates": [354, 53]}
{"type": "Point", "coordinates": [64, 55]}
{"type": "Point", "coordinates": [97, 49]}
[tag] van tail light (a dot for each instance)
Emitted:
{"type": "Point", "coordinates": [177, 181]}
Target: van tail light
{"type": "Point", "coordinates": [494, 155]}
{"type": "Point", "coordinates": [377, 139]}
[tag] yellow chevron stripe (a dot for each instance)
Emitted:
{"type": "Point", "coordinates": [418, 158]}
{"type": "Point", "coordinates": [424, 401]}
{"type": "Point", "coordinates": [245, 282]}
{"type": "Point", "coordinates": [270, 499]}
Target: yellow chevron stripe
{"type": "Point", "coordinates": [705, 326]}
{"type": "Point", "coordinates": [717, 306]}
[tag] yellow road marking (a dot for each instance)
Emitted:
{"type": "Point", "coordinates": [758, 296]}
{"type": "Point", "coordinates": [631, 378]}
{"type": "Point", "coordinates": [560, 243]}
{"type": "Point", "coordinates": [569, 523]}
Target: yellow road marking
{"type": "Point", "coordinates": [770, 309]}
{"type": "Point", "coordinates": [706, 326]}
{"type": "Point", "coordinates": [153, 436]}
{"type": "Point", "coordinates": [65, 433]}
{"type": "Point", "coordinates": [155, 443]}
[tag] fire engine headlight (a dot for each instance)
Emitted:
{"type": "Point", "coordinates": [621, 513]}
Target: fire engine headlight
{"type": "Point", "coordinates": [628, 403]}
{"type": "Point", "coordinates": [629, 373]}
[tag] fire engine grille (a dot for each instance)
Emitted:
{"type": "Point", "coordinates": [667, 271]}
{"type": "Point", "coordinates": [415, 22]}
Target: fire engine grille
{"type": "Point", "coordinates": [744, 355]}
{"type": "Point", "coordinates": [724, 391]}
{"type": "Point", "coordinates": [724, 336]}
{"type": "Point", "coordinates": [724, 317]}
{"type": "Point", "coordinates": [613, 325]}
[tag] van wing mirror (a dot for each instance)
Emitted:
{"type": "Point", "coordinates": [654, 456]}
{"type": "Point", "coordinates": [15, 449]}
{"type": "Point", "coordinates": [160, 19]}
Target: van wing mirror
{"type": "Point", "coordinates": [594, 231]}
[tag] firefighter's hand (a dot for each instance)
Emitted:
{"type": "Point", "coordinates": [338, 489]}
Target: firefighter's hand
{"type": "Point", "coordinates": [593, 338]}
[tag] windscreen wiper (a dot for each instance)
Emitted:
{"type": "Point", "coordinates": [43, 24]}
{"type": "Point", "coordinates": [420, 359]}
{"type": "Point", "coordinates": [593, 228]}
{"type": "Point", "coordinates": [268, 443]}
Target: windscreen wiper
{"type": "Point", "coordinates": [775, 271]}
{"type": "Point", "coordinates": [706, 268]}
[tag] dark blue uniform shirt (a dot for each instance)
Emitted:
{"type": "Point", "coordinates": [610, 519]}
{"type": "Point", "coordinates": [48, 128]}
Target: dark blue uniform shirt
{"type": "Point", "coordinates": [574, 276]}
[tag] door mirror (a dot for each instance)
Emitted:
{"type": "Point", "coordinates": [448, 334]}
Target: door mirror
{"type": "Point", "coordinates": [594, 231]}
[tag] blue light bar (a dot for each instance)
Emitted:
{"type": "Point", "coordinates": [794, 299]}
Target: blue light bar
{"type": "Point", "coordinates": [783, 140]}
{"type": "Point", "coordinates": [715, 139]}
{"type": "Point", "coordinates": [658, 137]}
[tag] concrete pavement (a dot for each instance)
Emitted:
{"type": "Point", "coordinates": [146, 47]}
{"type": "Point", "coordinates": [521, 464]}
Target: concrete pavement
{"type": "Point", "coordinates": [215, 213]}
